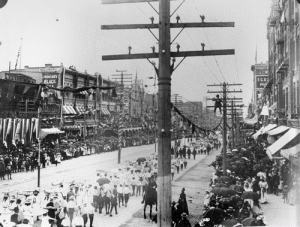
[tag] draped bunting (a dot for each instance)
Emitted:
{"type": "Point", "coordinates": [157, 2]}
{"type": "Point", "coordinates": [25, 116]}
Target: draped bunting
{"type": "Point", "coordinates": [190, 123]}
{"type": "Point", "coordinates": [77, 90]}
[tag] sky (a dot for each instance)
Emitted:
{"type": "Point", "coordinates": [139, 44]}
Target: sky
{"type": "Point", "coordinates": [69, 32]}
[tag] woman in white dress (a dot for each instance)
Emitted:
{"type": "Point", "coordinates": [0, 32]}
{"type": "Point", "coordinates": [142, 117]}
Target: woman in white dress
{"type": "Point", "coordinates": [263, 187]}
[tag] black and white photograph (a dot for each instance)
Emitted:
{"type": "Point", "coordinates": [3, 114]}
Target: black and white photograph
{"type": "Point", "coordinates": [145, 113]}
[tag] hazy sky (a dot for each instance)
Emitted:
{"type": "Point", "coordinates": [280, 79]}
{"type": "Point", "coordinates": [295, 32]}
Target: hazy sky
{"type": "Point", "coordinates": [69, 32]}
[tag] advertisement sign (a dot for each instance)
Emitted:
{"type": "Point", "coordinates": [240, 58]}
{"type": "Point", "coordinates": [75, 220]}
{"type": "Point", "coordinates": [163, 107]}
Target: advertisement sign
{"type": "Point", "coordinates": [261, 81]}
{"type": "Point", "coordinates": [50, 79]}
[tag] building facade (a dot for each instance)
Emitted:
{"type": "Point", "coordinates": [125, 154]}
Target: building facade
{"type": "Point", "coordinates": [282, 89]}
{"type": "Point", "coordinates": [76, 111]}
{"type": "Point", "coordinates": [260, 79]}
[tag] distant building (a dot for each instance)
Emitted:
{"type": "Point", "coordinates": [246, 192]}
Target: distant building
{"type": "Point", "coordinates": [260, 79]}
{"type": "Point", "coordinates": [19, 77]}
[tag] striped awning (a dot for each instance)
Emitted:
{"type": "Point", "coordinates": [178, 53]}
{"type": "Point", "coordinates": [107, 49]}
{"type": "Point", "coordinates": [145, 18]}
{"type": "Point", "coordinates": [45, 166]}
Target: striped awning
{"type": "Point", "coordinates": [71, 108]}
{"type": "Point", "coordinates": [66, 110]}
{"type": "Point", "coordinates": [282, 141]}
{"type": "Point", "coordinates": [105, 111]}
{"type": "Point", "coordinates": [278, 130]}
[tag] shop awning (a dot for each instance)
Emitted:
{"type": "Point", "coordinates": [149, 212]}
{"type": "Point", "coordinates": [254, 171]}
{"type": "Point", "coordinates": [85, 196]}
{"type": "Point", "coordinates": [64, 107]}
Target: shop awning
{"type": "Point", "coordinates": [274, 106]}
{"type": "Point", "coordinates": [47, 131]}
{"type": "Point", "coordinates": [66, 110]}
{"type": "Point", "coordinates": [257, 133]}
{"type": "Point", "coordinates": [278, 130]}
{"type": "Point", "coordinates": [282, 141]}
{"type": "Point", "coordinates": [105, 111]}
{"type": "Point", "coordinates": [268, 128]}
{"type": "Point", "coordinates": [251, 121]}
{"type": "Point", "coordinates": [72, 110]}
{"type": "Point", "coordinates": [290, 151]}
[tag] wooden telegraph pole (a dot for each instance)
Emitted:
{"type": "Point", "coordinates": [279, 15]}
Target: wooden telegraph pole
{"type": "Point", "coordinates": [165, 70]}
{"type": "Point", "coordinates": [224, 92]}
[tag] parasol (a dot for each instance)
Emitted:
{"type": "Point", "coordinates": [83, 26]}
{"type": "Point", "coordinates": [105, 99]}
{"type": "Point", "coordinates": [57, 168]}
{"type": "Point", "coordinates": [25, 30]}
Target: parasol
{"type": "Point", "coordinates": [237, 188]}
{"type": "Point", "coordinates": [219, 185]}
{"type": "Point", "coordinates": [229, 222]}
{"type": "Point", "coordinates": [216, 215]}
{"type": "Point", "coordinates": [224, 179]}
{"type": "Point", "coordinates": [250, 195]}
{"type": "Point", "coordinates": [103, 180]}
{"type": "Point", "coordinates": [141, 159]}
{"type": "Point", "coordinates": [248, 221]}
{"type": "Point", "coordinates": [226, 192]}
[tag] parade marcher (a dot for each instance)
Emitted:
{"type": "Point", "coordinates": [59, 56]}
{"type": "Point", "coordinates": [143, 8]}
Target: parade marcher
{"type": "Point", "coordinates": [181, 164]}
{"type": "Point", "coordinates": [180, 152]}
{"type": "Point", "coordinates": [70, 193]}
{"type": "Point", "coordinates": [91, 213]}
{"type": "Point", "coordinates": [96, 192]}
{"type": "Point", "coordinates": [194, 153]}
{"type": "Point", "coordinates": [101, 199]}
{"type": "Point", "coordinates": [126, 194]}
{"type": "Point", "coordinates": [185, 163]}
{"type": "Point", "coordinates": [121, 195]}
{"type": "Point", "coordinates": [177, 165]}
{"type": "Point", "coordinates": [71, 208]}
{"type": "Point", "coordinates": [106, 197]}
{"type": "Point", "coordinates": [189, 152]}
{"type": "Point", "coordinates": [139, 186]}
{"type": "Point", "coordinates": [114, 200]}
{"type": "Point", "coordinates": [173, 171]}
{"type": "Point", "coordinates": [184, 151]}
{"type": "Point", "coordinates": [184, 222]}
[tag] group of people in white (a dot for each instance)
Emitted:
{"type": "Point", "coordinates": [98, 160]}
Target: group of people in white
{"type": "Point", "coordinates": [75, 204]}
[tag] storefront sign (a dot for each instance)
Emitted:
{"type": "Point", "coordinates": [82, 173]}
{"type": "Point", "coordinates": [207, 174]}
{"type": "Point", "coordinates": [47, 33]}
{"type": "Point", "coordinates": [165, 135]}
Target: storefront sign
{"type": "Point", "coordinates": [261, 81]}
{"type": "Point", "coordinates": [50, 80]}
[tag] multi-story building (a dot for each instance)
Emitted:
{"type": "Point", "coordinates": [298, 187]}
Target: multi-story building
{"type": "Point", "coordinates": [260, 79]}
{"type": "Point", "coordinates": [68, 109]}
{"type": "Point", "coordinates": [282, 89]}
{"type": "Point", "coordinates": [136, 98]}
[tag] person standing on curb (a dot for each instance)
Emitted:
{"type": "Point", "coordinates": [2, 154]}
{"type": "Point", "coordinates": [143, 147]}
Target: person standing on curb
{"type": "Point", "coordinates": [183, 203]}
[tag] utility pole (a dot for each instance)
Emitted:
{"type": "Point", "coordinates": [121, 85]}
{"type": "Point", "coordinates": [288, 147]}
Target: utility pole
{"type": "Point", "coordinates": [121, 114]}
{"type": "Point", "coordinates": [224, 92]}
{"type": "Point", "coordinates": [165, 70]}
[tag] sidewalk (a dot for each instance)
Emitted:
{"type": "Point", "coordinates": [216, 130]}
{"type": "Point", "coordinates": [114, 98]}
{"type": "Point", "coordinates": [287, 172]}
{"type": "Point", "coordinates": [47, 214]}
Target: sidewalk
{"type": "Point", "coordinates": [279, 213]}
{"type": "Point", "coordinates": [194, 179]}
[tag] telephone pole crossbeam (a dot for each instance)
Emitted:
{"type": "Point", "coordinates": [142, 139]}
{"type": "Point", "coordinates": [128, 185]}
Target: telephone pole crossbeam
{"type": "Point", "coordinates": [173, 54]}
{"type": "Point", "coordinates": [172, 25]}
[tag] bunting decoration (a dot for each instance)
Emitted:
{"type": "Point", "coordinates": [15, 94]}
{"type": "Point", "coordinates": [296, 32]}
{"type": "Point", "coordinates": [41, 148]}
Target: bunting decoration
{"type": "Point", "coordinates": [191, 124]}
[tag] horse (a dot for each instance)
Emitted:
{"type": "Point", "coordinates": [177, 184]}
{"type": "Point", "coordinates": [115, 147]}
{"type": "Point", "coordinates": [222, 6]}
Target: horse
{"type": "Point", "coordinates": [149, 198]}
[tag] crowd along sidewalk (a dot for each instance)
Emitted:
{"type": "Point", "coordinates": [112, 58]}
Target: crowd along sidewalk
{"type": "Point", "coordinates": [195, 179]}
